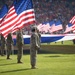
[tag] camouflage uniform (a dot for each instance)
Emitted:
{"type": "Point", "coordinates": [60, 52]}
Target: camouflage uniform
{"type": "Point", "coordinates": [9, 45]}
{"type": "Point", "coordinates": [20, 42]}
{"type": "Point", "coordinates": [39, 34]}
{"type": "Point", "coordinates": [34, 47]}
{"type": "Point", "coordinates": [2, 45]}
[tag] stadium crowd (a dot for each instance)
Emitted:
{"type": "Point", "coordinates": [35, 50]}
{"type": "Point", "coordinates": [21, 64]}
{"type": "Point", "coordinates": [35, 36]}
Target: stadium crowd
{"type": "Point", "coordinates": [47, 10]}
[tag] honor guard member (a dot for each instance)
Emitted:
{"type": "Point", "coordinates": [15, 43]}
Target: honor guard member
{"type": "Point", "coordinates": [39, 34]}
{"type": "Point", "coordinates": [3, 45]}
{"type": "Point", "coordinates": [9, 43]}
{"type": "Point", "coordinates": [20, 42]}
{"type": "Point", "coordinates": [34, 46]}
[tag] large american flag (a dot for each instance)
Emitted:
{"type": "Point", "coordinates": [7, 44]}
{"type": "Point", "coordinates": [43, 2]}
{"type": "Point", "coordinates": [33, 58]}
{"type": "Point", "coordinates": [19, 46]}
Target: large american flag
{"type": "Point", "coordinates": [50, 27]}
{"type": "Point", "coordinates": [25, 12]}
{"type": "Point", "coordinates": [3, 13]}
{"type": "Point", "coordinates": [19, 15]}
{"type": "Point", "coordinates": [73, 22]}
{"type": "Point", "coordinates": [9, 22]}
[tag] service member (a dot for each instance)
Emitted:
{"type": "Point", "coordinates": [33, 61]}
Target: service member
{"type": "Point", "coordinates": [20, 42]}
{"type": "Point", "coordinates": [34, 46]}
{"type": "Point", "coordinates": [9, 44]}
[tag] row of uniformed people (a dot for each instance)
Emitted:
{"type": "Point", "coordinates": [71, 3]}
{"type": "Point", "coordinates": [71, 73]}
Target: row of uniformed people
{"type": "Point", "coordinates": [7, 44]}
{"type": "Point", "coordinates": [34, 45]}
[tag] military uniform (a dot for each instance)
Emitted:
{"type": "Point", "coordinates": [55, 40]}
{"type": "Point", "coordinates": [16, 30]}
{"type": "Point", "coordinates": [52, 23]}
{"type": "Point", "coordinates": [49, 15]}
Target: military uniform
{"type": "Point", "coordinates": [20, 42]}
{"type": "Point", "coordinates": [39, 34]}
{"type": "Point", "coordinates": [9, 45]}
{"type": "Point", "coordinates": [2, 45]}
{"type": "Point", "coordinates": [34, 47]}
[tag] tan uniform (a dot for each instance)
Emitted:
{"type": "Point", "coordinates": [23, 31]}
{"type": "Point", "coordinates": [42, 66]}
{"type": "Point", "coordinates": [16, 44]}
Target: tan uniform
{"type": "Point", "coordinates": [34, 47]}
{"type": "Point", "coordinates": [20, 42]}
{"type": "Point", "coordinates": [9, 45]}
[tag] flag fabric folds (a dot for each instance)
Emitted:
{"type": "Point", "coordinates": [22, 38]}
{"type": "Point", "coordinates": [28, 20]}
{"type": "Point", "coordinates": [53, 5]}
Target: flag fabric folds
{"type": "Point", "coordinates": [48, 38]}
{"type": "Point", "coordinates": [40, 27]}
{"type": "Point", "coordinates": [56, 26]}
{"type": "Point", "coordinates": [18, 16]}
{"type": "Point", "coordinates": [52, 23]}
{"type": "Point", "coordinates": [73, 22]}
{"type": "Point", "coordinates": [21, 14]}
{"type": "Point", "coordinates": [25, 12]}
{"type": "Point", "coordinates": [9, 22]}
{"type": "Point", "coordinates": [68, 28]}
{"type": "Point", "coordinates": [50, 26]}
{"type": "Point", "coordinates": [44, 27]}
{"type": "Point", "coordinates": [3, 13]}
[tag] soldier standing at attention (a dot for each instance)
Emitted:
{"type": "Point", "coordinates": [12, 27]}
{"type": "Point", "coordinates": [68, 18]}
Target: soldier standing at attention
{"type": "Point", "coordinates": [34, 46]}
{"type": "Point", "coordinates": [3, 45]}
{"type": "Point", "coordinates": [20, 42]}
{"type": "Point", "coordinates": [39, 34]}
{"type": "Point", "coordinates": [9, 43]}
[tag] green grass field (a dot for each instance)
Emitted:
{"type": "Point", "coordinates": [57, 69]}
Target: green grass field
{"type": "Point", "coordinates": [70, 42]}
{"type": "Point", "coordinates": [61, 62]}
{"type": "Point", "coordinates": [47, 64]}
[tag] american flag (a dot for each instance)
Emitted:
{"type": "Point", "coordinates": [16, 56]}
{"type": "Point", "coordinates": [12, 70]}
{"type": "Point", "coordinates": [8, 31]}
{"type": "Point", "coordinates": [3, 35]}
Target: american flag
{"type": "Point", "coordinates": [68, 28]}
{"type": "Point", "coordinates": [3, 13]}
{"type": "Point", "coordinates": [56, 26]}
{"type": "Point", "coordinates": [25, 12]}
{"type": "Point", "coordinates": [19, 15]}
{"type": "Point", "coordinates": [44, 27]}
{"type": "Point", "coordinates": [73, 22]}
{"type": "Point", "coordinates": [52, 23]}
{"type": "Point", "coordinates": [40, 26]}
{"type": "Point", "coordinates": [9, 21]}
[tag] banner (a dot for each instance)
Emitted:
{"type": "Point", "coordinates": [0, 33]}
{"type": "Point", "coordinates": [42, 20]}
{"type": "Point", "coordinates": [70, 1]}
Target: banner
{"type": "Point", "coordinates": [47, 38]}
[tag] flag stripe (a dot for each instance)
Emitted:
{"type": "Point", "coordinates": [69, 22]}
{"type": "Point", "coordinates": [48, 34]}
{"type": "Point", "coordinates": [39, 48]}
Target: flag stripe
{"type": "Point", "coordinates": [18, 16]}
{"type": "Point", "coordinates": [56, 28]}
{"type": "Point", "coordinates": [9, 22]}
{"type": "Point", "coordinates": [73, 22]}
{"type": "Point", "coordinates": [25, 18]}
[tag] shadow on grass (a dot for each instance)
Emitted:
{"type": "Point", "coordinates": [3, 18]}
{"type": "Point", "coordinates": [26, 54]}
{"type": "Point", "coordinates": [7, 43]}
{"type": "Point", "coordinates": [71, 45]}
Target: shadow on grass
{"type": "Point", "coordinates": [2, 59]}
{"type": "Point", "coordinates": [7, 64]}
{"type": "Point", "coordinates": [53, 56]}
{"type": "Point", "coordinates": [15, 70]}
